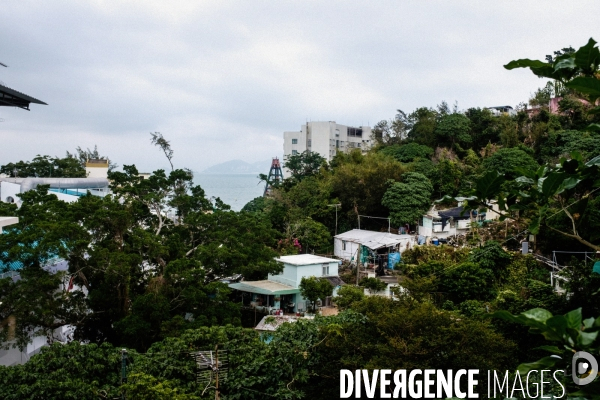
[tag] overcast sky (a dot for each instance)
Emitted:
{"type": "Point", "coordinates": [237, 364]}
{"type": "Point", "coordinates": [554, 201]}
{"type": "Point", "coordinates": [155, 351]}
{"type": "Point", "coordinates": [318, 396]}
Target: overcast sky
{"type": "Point", "coordinates": [222, 80]}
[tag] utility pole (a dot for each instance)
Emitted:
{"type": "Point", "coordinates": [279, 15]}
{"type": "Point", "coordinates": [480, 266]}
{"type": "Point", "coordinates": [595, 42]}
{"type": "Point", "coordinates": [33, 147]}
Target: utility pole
{"type": "Point", "coordinates": [358, 254]}
{"type": "Point", "coordinates": [123, 368]}
{"type": "Point", "coordinates": [217, 372]}
{"type": "Point", "coordinates": [336, 210]}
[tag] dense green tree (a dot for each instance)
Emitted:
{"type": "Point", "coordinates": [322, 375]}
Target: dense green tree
{"type": "Point", "coordinates": [467, 281]}
{"type": "Point", "coordinates": [304, 165]}
{"type": "Point", "coordinates": [400, 334]}
{"type": "Point", "coordinates": [493, 257]}
{"type": "Point", "coordinates": [482, 127]}
{"type": "Point", "coordinates": [313, 289]}
{"type": "Point", "coordinates": [508, 128]}
{"type": "Point", "coordinates": [562, 143]}
{"type": "Point", "coordinates": [408, 152]}
{"type": "Point", "coordinates": [373, 285]}
{"type": "Point", "coordinates": [312, 235]}
{"type": "Point", "coordinates": [423, 126]}
{"type": "Point", "coordinates": [45, 167]}
{"type": "Point", "coordinates": [454, 128]}
{"type": "Point", "coordinates": [142, 270]}
{"type": "Point", "coordinates": [311, 198]}
{"type": "Point", "coordinates": [72, 371]}
{"type": "Point", "coordinates": [505, 161]}
{"type": "Point", "coordinates": [347, 295]}
{"type": "Point", "coordinates": [409, 199]}
{"type": "Point", "coordinates": [255, 205]}
{"type": "Point", "coordinates": [359, 183]}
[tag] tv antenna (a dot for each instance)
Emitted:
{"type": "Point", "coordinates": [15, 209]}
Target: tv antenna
{"type": "Point", "coordinates": [212, 368]}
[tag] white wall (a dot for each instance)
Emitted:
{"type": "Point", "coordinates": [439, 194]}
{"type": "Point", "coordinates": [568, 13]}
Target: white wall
{"type": "Point", "coordinates": [338, 249]}
{"type": "Point", "coordinates": [321, 134]}
{"type": "Point", "coordinates": [288, 147]}
{"type": "Point", "coordinates": [96, 172]}
{"type": "Point", "coordinates": [66, 197]}
{"type": "Point", "coordinates": [9, 189]}
{"type": "Point", "coordinates": [292, 274]}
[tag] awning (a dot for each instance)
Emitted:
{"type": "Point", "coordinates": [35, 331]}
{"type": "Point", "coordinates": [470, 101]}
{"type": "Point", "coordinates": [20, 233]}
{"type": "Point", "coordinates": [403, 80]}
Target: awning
{"type": "Point", "coordinates": [264, 287]}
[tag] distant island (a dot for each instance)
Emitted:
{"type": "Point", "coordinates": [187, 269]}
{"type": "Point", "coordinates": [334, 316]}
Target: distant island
{"type": "Point", "coordinates": [239, 167]}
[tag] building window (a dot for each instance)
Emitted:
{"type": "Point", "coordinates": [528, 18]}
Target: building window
{"type": "Point", "coordinates": [309, 142]}
{"type": "Point", "coordinates": [294, 141]}
{"type": "Point", "coordinates": [337, 144]}
{"type": "Point", "coordinates": [325, 269]}
{"type": "Point", "coordinates": [355, 132]}
{"type": "Point", "coordinates": [343, 245]}
{"type": "Point", "coordinates": [294, 152]}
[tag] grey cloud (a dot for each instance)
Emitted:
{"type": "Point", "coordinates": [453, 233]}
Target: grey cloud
{"type": "Point", "coordinates": [223, 80]}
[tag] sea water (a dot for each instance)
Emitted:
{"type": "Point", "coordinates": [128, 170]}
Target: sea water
{"type": "Point", "coordinates": [233, 189]}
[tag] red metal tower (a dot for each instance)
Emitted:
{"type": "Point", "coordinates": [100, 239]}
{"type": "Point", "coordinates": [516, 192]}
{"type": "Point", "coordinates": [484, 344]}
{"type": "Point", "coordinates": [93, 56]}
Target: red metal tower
{"type": "Point", "coordinates": [275, 176]}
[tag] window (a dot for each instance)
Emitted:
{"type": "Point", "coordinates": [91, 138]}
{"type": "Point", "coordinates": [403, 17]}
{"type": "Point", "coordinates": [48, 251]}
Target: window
{"type": "Point", "coordinates": [325, 269]}
{"type": "Point", "coordinates": [294, 152]}
{"type": "Point", "coordinates": [294, 141]}
{"type": "Point", "coordinates": [309, 142]}
{"type": "Point", "coordinates": [343, 245]}
{"type": "Point", "coordinates": [355, 132]}
{"type": "Point", "coordinates": [337, 144]}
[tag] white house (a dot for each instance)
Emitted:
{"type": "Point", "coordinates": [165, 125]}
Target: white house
{"type": "Point", "coordinates": [345, 245]}
{"type": "Point", "coordinates": [326, 138]}
{"type": "Point", "coordinates": [281, 291]}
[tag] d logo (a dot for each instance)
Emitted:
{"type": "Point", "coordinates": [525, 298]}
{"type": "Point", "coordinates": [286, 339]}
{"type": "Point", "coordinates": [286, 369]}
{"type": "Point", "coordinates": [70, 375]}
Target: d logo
{"type": "Point", "coordinates": [583, 362]}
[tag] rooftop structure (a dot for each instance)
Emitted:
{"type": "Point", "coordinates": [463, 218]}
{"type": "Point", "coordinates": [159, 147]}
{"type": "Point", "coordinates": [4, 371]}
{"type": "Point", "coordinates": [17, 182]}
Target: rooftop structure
{"type": "Point", "coordinates": [96, 168]}
{"type": "Point", "coordinates": [499, 110]}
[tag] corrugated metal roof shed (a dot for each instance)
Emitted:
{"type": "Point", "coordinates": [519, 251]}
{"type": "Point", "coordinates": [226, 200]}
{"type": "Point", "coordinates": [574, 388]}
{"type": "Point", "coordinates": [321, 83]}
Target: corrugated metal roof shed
{"type": "Point", "coordinates": [305, 259]}
{"type": "Point", "coordinates": [373, 240]}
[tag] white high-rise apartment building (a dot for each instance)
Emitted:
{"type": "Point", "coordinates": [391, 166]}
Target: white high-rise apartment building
{"type": "Point", "coordinates": [326, 138]}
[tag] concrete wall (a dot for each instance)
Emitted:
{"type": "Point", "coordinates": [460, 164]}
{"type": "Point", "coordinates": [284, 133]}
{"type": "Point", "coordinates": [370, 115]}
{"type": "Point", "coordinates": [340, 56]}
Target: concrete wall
{"type": "Point", "coordinates": [10, 190]}
{"type": "Point", "coordinates": [68, 198]}
{"type": "Point", "coordinates": [96, 172]}
{"type": "Point", "coordinates": [348, 253]}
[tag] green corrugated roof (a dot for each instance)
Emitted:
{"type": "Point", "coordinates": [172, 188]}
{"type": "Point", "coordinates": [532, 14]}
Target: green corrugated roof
{"type": "Point", "coordinates": [264, 287]}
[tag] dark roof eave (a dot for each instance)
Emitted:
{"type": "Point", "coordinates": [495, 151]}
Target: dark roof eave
{"type": "Point", "coordinates": [12, 98]}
